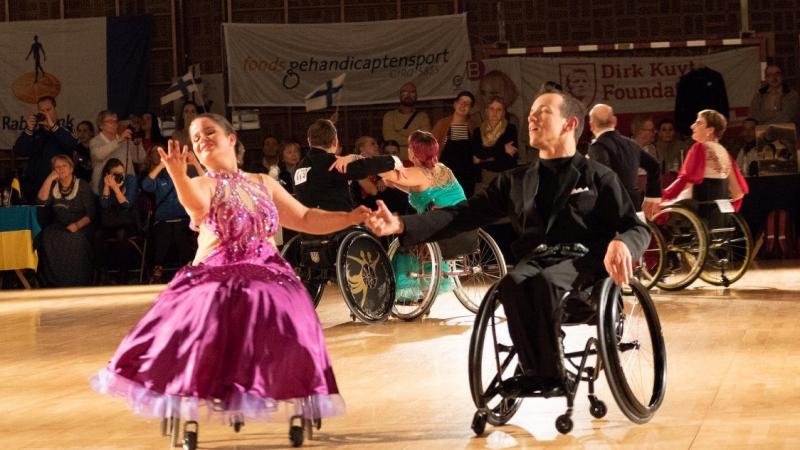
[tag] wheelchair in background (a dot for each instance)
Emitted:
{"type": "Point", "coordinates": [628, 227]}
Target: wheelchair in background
{"type": "Point", "coordinates": [469, 263]}
{"type": "Point", "coordinates": [627, 346]}
{"type": "Point", "coordinates": [702, 239]}
{"type": "Point", "coordinates": [358, 263]}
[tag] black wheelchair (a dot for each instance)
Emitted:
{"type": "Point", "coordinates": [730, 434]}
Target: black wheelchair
{"type": "Point", "coordinates": [628, 346]}
{"type": "Point", "coordinates": [356, 260]}
{"type": "Point", "coordinates": [702, 239]}
{"type": "Point", "coordinates": [471, 261]}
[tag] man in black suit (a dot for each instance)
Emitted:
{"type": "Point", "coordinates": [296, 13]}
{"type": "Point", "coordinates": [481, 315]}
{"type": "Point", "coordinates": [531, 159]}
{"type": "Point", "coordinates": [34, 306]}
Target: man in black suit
{"type": "Point", "coordinates": [317, 185]}
{"type": "Point", "coordinates": [576, 224]}
{"type": "Point", "coordinates": [624, 157]}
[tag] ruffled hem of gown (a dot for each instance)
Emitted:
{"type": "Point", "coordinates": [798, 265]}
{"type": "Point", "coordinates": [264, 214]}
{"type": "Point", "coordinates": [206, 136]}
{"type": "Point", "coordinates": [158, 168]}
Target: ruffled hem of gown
{"type": "Point", "coordinates": [148, 403]}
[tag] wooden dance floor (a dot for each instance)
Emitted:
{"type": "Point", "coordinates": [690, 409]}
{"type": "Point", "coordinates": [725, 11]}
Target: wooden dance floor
{"type": "Point", "coordinates": [732, 357]}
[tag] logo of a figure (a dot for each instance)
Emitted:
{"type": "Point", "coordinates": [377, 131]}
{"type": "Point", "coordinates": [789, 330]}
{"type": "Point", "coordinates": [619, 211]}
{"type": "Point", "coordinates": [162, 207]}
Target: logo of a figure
{"type": "Point", "coordinates": [37, 50]}
{"type": "Point", "coordinates": [28, 87]}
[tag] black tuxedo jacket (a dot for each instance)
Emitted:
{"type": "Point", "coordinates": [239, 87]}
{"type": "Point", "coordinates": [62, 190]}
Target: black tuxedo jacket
{"type": "Point", "coordinates": [624, 156]}
{"type": "Point", "coordinates": [591, 208]}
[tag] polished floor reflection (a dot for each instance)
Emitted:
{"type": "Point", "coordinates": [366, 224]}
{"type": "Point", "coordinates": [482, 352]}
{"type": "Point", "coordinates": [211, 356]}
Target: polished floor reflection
{"type": "Point", "coordinates": [731, 361]}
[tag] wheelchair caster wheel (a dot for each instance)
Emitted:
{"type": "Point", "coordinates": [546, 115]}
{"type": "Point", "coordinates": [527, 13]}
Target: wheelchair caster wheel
{"type": "Point", "coordinates": [190, 440]}
{"type": "Point", "coordinates": [598, 409]}
{"type": "Point", "coordinates": [479, 423]}
{"type": "Point", "coordinates": [296, 435]}
{"type": "Point", "coordinates": [564, 424]}
{"type": "Point", "coordinates": [237, 425]}
{"type": "Point", "coordinates": [317, 423]}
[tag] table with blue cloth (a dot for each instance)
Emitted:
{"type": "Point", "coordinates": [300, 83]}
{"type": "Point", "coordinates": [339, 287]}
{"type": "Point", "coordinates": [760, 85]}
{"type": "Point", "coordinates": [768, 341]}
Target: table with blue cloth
{"type": "Point", "coordinates": [770, 193]}
{"type": "Point", "coordinates": [19, 225]}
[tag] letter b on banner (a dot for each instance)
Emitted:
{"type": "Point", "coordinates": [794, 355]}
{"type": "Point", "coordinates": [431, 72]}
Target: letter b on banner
{"type": "Point", "coordinates": [475, 70]}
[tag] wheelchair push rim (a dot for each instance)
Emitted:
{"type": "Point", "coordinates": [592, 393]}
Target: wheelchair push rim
{"type": "Point", "coordinates": [418, 273]}
{"type": "Point", "coordinates": [490, 349]}
{"type": "Point", "coordinates": [632, 350]}
{"type": "Point", "coordinates": [685, 247]}
{"type": "Point", "coordinates": [365, 276]}
{"type": "Point", "coordinates": [476, 272]}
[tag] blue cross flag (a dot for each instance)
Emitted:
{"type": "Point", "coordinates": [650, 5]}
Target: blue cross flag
{"type": "Point", "coordinates": [323, 96]}
{"type": "Point", "coordinates": [181, 89]}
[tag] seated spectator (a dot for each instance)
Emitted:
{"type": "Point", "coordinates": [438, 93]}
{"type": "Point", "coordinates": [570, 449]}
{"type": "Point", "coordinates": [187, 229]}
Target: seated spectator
{"type": "Point", "coordinates": [495, 142]}
{"type": "Point", "coordinates": [109, 144]}
{"type": "Point", "coordinates": [671, 149]}
{"type": "Point", "coordinates": [399, 123]}
{"type": "Point", "coordinates": [366, 190]}
{"type": "Point", "coordinates": [643, 132]}
{"type": "Point", "coordinates": [119, 218]}
{"type": "Point", "coordinates": [81, 156]}
{"type": "Point", "coordinates": [775, 101]}
{"type": "Point", "coordinates": [65, 250]}
{"type": "Point", "coordinates": [170, 230]}
{"type": "Point", "coordinates": [290, 159]}
{"type": "Point", "coordinates": [270, 152]}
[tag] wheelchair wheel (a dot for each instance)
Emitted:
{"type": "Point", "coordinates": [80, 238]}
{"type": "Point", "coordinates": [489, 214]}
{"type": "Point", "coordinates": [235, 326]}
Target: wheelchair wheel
{"type": "Point", "coordinates": [313, 283]}
{"type": "Point", "coordinates": [632, 350]}
{"type": "Point", "coordinates": [492, 358]}
{"type": "Point", "coordinates": [685, 247]}
{"type": "Point", "coordinates": [651, 265]}
{"type": "Point", "coordinates": [365, 277]}
{"type": "Point", "coordinates": [477, 271]}
{"type": "Point", "coordinates": [729, 251]}
{"type": "Point", "coordinates": [418, 271]}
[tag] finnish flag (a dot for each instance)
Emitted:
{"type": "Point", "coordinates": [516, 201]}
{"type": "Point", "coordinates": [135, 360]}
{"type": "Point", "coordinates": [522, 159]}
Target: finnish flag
{"type": "Point", "coordinates": [323, 96]}
{"type": "Point", "coordinates": [187, 84]}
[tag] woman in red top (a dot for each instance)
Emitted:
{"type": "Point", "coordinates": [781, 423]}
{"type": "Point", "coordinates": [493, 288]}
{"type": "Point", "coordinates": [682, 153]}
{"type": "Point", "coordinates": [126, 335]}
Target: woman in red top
{"type": "Point", "coordinates": [709, 172]}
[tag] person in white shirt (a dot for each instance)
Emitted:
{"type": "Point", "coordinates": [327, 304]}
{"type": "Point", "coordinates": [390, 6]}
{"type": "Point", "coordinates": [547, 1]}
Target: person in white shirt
{"type": "Point", "coordinates": [110, 143]}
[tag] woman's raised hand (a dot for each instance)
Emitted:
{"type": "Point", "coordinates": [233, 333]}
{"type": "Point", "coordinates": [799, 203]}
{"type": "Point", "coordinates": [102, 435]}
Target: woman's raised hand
{"type": "Point", "coordinates": [175, 159]}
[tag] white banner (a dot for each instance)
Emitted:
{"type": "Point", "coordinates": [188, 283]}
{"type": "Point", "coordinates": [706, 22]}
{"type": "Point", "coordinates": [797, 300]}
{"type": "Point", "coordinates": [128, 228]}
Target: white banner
{"type": "Point", "coordinates": [278, 65]}
{"type": "Point", "coordinates": [65, 59]}
{"type": "Point", "coordinates": [631, 85]}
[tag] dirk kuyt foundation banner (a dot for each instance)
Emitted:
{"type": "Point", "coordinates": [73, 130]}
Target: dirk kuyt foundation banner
{"type": "Point", "coordinates": [278, 65]}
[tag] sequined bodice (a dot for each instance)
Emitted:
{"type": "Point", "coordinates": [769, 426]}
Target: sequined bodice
{"type": "Point", "coordinates": [242, 216]}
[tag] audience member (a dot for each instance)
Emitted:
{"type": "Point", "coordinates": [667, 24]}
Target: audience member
{"type": "Point", "coordinates": [65, 250]}
{"type": "Point", "coordinates": [746, 150]}
{"type": "Point", "coordinates": [170, 230]}
{"type": "Point", "coordinates": [290, 158]}
{"type": "Point", "coordinates": [775, 101]}
{"type": "Point", "coordinates": [495, 142]}
{"type": "Point", "coordinates": [151, 131]}
{"type": "Point", "coordinates": [671, 149]}
{"type": "Point", "coordinates": [181, 133]}
{"type": "Point", "coordinates": [41, 139]}
{"type": "Point", "coordinates": [111, 144]}
{"type": "Point", "coordinates": [81, 156]}
{"type": "Point", "coordinates": [366, 190]}
{"type": "Point", "coordinates": [118, 216]}
{"type": "Point", "coordinates": [453, 134]}
{"type": "Point", "coordinates": [399, 123]}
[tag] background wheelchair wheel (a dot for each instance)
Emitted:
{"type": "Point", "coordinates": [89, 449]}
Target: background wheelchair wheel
{"type": "Point", "coordinates": [490, 347]}
{"type": "Point", "coordinates": [478, 271]}
{"type": "Point", "coordinates": [632, 350]}
{"type": "Point", "coordinates": [365, 277]}
{"type": "Point", "coordinates": [291, 253]}
{"type": "Point", "coordinates": [729, 251]}
{"type": "Point", "coordinates": [417, 274]}
{"type": "Point", "coordinates": [685, 247]}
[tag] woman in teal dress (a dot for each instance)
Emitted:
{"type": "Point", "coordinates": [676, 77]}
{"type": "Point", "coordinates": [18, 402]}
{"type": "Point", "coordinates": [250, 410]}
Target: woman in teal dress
{"type": "Point", "coordinates": [430, 184]}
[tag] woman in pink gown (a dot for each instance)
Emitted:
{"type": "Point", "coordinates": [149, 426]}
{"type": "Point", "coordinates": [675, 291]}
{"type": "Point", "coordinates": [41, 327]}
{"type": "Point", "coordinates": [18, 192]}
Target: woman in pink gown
{"type": "Point", "coordinates": [235, 332]}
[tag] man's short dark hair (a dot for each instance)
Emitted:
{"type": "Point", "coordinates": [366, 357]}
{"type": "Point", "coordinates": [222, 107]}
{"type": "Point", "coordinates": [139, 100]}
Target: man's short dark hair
{"type": "Point", "coordinates": [47, 97]}
{"type": "Point", "coordinates": [321, 133]}
{"type": "Point", "coordinates": [571, 107]}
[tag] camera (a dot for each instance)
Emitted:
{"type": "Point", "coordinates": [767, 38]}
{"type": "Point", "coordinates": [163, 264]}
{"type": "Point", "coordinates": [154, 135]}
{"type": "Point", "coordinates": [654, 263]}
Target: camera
{"type": "Point", "coordinates": [136, 134]}
{"type": "Point", "coordinates": [119, 178]}
{"type": "Point", "coordinates": [40, 117]}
